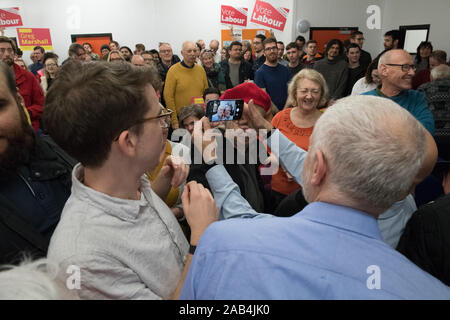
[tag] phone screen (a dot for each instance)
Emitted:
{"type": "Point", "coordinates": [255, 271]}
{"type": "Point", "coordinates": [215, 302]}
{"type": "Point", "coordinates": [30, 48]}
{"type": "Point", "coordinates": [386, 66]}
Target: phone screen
{"type": "Point", "coordinates": [224, 110]}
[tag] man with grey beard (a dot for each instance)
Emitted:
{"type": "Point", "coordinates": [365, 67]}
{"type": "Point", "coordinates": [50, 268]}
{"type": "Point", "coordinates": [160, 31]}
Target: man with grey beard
{"type": "Point", "coordinates": [35, 179]}
{"type": "Point", "coordinates": [363, 156]}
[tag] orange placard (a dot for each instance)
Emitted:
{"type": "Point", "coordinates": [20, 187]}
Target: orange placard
{"type": "Point", "coordinates": [96, 42]}
{"type": "Point", "coordinates": [323, 36]}
{"type": "Point", "coordinates": [247, 34]}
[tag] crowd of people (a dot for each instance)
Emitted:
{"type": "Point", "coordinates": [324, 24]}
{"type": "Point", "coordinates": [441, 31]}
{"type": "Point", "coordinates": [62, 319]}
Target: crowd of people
{"type": "Point", "coordinates": [109, 164]}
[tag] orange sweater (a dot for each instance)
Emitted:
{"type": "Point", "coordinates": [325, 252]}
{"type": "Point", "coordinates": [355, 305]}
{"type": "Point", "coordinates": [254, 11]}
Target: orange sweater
{"type": "Point", "coordinates": [300, 136]}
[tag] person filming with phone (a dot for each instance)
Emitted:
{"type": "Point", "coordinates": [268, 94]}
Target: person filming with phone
{"type": "Point", "coordinates": [239, 163]}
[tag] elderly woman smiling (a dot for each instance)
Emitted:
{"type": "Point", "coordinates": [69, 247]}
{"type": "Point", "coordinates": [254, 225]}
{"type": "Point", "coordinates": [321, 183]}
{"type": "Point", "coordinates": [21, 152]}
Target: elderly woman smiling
{"type": "Point", "coordinates": [307, 91]}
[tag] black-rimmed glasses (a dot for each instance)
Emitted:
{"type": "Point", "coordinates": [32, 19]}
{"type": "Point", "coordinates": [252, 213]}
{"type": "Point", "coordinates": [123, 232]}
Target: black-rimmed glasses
{"type": "Point", "coordinates": [405, 67]}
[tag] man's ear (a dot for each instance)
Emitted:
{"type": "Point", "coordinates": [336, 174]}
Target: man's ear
{"type": "Point", "coordinates": [320, 168]}
{"type": "Point", "coordinates": [382, 70]}
{"type": "Point", "coordinates": [395, 43]}
{"type": "Point", "coordinates": [127, 142]}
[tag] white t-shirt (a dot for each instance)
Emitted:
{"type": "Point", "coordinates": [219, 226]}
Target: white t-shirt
{"type": "Point", "coordinates": [361, 86]}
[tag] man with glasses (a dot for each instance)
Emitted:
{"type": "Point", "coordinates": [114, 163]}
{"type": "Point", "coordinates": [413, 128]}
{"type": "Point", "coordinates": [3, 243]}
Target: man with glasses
{"type": "Point", "coordinates": [115, 228]}
{"type": "Point", "coordinates": [260, 58]}
{"type": "Point", "coordinates": [396, 70]}
{"type": "Point", "coordinates": [272, 76]}
{"type": "Point", "coordinates": [236, 70]}
{"type": "Point", "coordinates": [29, 87]}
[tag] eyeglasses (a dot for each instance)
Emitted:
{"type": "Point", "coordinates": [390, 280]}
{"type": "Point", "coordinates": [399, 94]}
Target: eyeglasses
{"type": "Point", "coordinates": [271, 49]}
{"type": "Point", "coordinates": [51, 65]}
{"type": "Point", "coordinates": [313, 92]}
{"type": "Point", "coordinates": [164, 120]}
{"type": "Point", "coordinates": [9, 50]}
{"type": "Point", "coordinates": [165, 51]}
{"type": "Point", "coordinates": [405, 67]}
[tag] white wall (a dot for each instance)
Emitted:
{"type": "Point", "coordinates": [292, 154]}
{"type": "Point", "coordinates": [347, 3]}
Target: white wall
{"type": "Point", "coordinates": [341, 13]}
{"type": "Point", "coordinates": [133, 21]}
{"type": "Point", "coordinates": [174, 21]}
{"type": "Point", "coordinates": [412, 12]}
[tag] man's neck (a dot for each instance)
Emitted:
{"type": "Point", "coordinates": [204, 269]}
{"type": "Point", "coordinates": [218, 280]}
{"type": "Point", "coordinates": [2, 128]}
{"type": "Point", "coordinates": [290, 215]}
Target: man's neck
{"type": "Point", "coordinates": [167, 62]}
{"type": "Point", "coordinates": [310, 57]}
{"type": "Point", "coordinates": [389, 91]}
{"type": "Point", "coordinates": [259, 54]}
{"type": "Point", "coordinates": [271, 64]}
{"type": "Point", "coordinates": [353, 65]}
{"type": "Point", "coordinates": [113, 181]}
{"type": "Point", "coordinates": [188, 65]}
{"type": "Point", "coordinates": [234, 61]}
{"type": "Point", "coordinates": [296, 63]}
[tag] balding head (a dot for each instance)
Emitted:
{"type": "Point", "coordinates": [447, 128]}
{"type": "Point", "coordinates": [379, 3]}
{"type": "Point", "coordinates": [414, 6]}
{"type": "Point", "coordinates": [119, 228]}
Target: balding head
{"type": "Point", "coordinates": [137, 60]}
{"type": "Point", "coordinates": [214, 45]}
{"type": "Point", "coordinates": [396, 70]}
{"type": "Point", "coordinates": [371, 150]}
{"type": "Point", "coordinates": [189, 52]}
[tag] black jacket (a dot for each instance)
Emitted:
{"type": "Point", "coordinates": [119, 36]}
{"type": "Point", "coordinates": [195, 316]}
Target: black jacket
{"type": "Point", "coordinates": [245, 72]}
{"type": "Point", "coordinates": [31, 200]}
{"type": "Point", "coordinates": [426, 239]}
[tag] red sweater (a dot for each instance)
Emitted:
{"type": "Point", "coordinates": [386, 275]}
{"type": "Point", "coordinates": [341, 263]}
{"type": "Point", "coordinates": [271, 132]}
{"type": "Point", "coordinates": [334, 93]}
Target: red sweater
{"type": "Point", "coordinates": [32, 94]}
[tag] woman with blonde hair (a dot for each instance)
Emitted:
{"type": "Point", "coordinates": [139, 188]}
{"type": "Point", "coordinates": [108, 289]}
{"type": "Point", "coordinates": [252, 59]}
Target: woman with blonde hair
{"type": "Point", "coordinates": [307, 91]}
{"type": "Point", "coordinates": [115, 56]}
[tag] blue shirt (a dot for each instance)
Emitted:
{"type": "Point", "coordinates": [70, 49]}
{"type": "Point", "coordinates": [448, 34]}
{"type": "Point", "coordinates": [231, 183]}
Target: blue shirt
{"type": "Point", "coordinates": [326, 251]}
{"type": "Point", "coordinates": [413, 101]}
{"type": "Point", "coordinates": [275, 80]}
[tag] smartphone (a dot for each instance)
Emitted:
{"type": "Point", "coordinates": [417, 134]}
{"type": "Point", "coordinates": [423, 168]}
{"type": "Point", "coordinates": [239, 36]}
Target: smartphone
{"type": "Point", "coordinates": [224, 110]}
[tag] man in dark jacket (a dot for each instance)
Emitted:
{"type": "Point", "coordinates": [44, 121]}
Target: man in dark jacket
{"type": "Point", "coordinates": [35, 180]}
{"type": "Point", "coordinates": [27, 83]}
{"type": "Point", "coordinates": [236, 69]}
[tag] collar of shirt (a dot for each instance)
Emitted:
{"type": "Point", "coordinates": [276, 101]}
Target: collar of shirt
{"type": "Point", "coordinates": [343, 218]}
{"type": "Point", "coordinates": [186, 66]}
{"type": "Point", "coordinates": [123, 209]}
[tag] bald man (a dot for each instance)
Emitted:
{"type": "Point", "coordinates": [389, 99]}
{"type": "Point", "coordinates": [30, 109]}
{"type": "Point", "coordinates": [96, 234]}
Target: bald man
{"type": "Point", "coordinates": [214, 47]}
{"type": "Point", "coordinates": [396, 70]}
{"type": "Point", "coordinates": [137, 60]}
{"type": "Point", "coordinates": [185, 80]}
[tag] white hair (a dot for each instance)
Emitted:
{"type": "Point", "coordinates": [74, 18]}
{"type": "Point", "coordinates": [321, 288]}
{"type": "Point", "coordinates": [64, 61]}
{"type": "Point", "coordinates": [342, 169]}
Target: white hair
{"type": "Point", "coordinates": [441, 71]}
{"type": "Point", "coordinates": [373, 147]}
{"type": "Point", "coordinates": [32, 280]}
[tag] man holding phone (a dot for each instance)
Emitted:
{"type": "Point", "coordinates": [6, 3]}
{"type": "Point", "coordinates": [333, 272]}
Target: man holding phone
{"type": "Point", "coordinates": [245, 173]}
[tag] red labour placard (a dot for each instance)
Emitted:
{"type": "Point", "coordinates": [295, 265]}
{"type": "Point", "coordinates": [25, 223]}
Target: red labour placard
{"type": "Point", "coordinates": [233, 16]}
{"type": "Point", "coordinates": [10, 17]}
{"type": "Point", "coordinates": [266, 15]}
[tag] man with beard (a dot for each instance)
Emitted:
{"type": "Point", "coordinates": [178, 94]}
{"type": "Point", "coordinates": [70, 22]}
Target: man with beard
{"type": "Point", "coordinates": [27, 83]}
{"type": "Point", "coordinates": [332, 249]}
{"type": "Point", "coordinates": [272, 76]}
{"type": "Point", "coordinates": [396, 70]}
{"type": "Point", "coordinates": [334, 68]}
{"type": "Point", "coordinates": [34, 179]}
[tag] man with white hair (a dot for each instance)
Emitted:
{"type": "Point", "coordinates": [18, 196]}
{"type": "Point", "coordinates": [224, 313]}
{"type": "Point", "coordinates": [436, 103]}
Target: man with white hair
{"type": "Point", "coordinates": [396, 69]}
{"type": "Point", "coordinates": [185, 80]}
{"type": "Point", "coordinates": [364, 155]}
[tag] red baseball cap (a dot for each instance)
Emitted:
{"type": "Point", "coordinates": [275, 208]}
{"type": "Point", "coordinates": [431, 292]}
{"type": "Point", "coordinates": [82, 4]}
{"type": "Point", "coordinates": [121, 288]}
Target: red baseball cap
{"type": "Point", "coordinates": [248, 91]}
